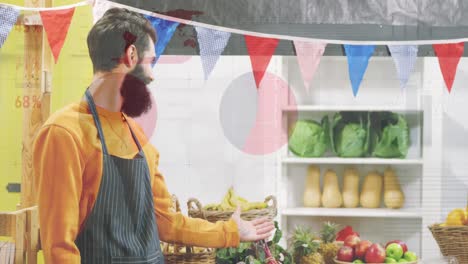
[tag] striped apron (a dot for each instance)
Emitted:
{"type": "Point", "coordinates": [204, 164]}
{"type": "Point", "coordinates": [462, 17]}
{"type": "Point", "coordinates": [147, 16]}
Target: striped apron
{"type": "Point", "coordinates": [121, 227]}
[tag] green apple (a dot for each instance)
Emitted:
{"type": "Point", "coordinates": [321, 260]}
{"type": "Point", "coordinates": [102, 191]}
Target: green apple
{"type": "Point", "coordinates": [410, 256]}
{"type": "Point", "coordinates": [402, 261]}
{"type": "Point", "coordinates": [394, 251]}
{"type": "Point", "coordinates": [358, 261]}
{"type": "Point", "coordinates": [390, 260]}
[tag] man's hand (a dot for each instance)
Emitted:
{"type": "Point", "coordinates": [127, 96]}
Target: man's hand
{"type": "Point", "coordinates": [254, 230]}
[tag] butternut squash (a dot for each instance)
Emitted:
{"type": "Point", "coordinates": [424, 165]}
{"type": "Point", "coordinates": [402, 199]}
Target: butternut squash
{"type": "Point", "coordinates": [312, 192]}
{"type": "Point", "coordinates": [393, 196]}
{"type": "Point", "coordinates": [331, 197]}
{"type": "Point", "coordinates": [371, 194]}
{"type": "Point", "coordinates": [351, 188]}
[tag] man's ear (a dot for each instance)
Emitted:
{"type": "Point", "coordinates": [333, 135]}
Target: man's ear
{"type": "Point", "coordinates": [131, 56]}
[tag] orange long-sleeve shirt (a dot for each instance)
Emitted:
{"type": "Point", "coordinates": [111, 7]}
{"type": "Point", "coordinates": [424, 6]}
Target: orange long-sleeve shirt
{"type": "Point", "coordinates": [67, 164]}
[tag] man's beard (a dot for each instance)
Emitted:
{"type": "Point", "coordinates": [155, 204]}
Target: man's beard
{"type": "Point", "coordinates": [135, 93]}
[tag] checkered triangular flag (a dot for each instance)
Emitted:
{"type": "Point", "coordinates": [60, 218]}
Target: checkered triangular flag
{"type": "Point", "coordinates": [405, 57]}
{"type": "Point", "coordinates": [8, 17]}
{"type": "Point", "coordinates": [212, 44]}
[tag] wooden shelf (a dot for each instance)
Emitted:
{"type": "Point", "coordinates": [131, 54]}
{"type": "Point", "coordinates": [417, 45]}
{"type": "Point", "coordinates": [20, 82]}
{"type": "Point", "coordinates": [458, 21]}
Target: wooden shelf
{"type": "Point", "coordinates": [335, 160]}
{"type": "Point", "coordinates": [354, 212]}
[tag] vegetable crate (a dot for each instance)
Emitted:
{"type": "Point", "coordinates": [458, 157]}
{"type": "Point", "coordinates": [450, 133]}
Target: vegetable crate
{"type": "Point", "coordinates": [21, 228]}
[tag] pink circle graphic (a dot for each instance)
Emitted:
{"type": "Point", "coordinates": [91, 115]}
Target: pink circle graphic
{"type": "Point", "coordinates": [148, 120]}
{"type": "Point", "coordinates": [173, 59]}
{"type": "Point", "coordinates": [252, 119]}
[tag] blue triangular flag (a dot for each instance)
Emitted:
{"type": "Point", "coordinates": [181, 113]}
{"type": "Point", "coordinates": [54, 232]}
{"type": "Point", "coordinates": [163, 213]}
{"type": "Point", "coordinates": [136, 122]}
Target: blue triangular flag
{"type": "Point", "coordinates": [8, 17]}
{"type": "Point", "coordinates": [212, 43]}
{"type": "Point", "coordinates": [405, 58]}
{"type": "Point", "coordinates": [164, 31]}
{"type": "Point", "coordinates": [358, 59]}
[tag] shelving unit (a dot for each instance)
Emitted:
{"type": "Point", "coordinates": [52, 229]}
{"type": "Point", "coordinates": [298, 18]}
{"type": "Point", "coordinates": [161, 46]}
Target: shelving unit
{"type": "Point", "coordinates": [334, 160]}
{"type": "Point", "coordinates": [417, 172]}
{"type": "Point", "coordinates": [353, 212]}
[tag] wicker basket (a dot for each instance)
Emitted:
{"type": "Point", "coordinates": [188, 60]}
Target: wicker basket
{"type": "Point", "coordinates": [195, 209]}
{"type": "Point", "coordinates": [452, 240]}
{"type": "Point", "coordinates": [208, 256]}
{"type": "Point", "coordinates": [189, 257]}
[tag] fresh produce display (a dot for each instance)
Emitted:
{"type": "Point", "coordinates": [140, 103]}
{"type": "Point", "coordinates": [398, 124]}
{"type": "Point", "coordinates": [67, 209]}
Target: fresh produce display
{"type": "Point", "coordinates": [312, 193]}
{"type": "Point", "coordinates": [352, 240]}
{"type": "Point", "coordinates": [345, 232]}
{"type": "Point", "coordinates": [230, 202]}
{"type": "Point", "coordinates": [389, 135]}
{"type": "Point", "coordinates": [350, 134]}
{"type": "Point", "coordinates": [328, 249]}
{"type": "Point", "coordinates": [351, 188]}
{"type": "Point", "coordinates": [346, 253]}
{"type": "Point", "coordinates": [457, 217]}
{"type": "Point", "coordinates": [371, 193]}
{"type": "Point", "coordinates": [361, 249]}
{"type": "Point", "coordinates": [331, 197]}
{"type": "Point", "coordinates": [309, 138]}
{"type": "Point", "coordinates": [393, 195]}
{"type": "Point", "coordinates": [305, 247]}
{"type": "Point", "coordinates": [254, 253]}
{"type": "Point", "coordinates": [364, 251]}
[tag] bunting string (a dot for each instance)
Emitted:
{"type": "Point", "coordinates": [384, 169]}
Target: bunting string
{"type": "Point", "coordinates": [288, 37]}
{"type": "Point", "coordinates": [260, 46]}
{"type": "Point", "coordinates": [247, 32]}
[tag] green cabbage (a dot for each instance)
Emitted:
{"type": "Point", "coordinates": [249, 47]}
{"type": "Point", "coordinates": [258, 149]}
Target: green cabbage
{"type": "Point", "coordinates": [309, 138]}
{"type": "Point", "coordinates": [350, 134]}
{"type": "Point", "coordinates": [390, 135]}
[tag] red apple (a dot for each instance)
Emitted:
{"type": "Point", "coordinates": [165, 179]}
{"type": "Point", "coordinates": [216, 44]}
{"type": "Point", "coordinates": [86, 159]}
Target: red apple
{"type": "Point", "coordinates": [345, 254]}
{"type": "Point", "coordinates": [375, 254]}
{"type": "Point", "coordinates": [352, 241]}
{"type": "Point", "coordinates": [361, 248]}
{"type": "Point", "coordinates": [401, 243]}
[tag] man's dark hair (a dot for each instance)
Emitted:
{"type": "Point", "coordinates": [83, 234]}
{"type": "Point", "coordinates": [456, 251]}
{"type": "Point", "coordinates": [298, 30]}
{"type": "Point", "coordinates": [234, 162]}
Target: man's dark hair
{"type": "Point", "coordinates": [114, 33]}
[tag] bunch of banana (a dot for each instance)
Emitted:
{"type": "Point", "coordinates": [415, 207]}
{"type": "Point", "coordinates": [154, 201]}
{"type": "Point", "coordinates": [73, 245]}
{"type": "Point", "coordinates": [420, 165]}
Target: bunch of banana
{"type": "Point", "coordinates": [199, 250]}
{"type": "Point", "coordinates": [171, 249]}
{"type": "Point", "coordinates": [230, 202]}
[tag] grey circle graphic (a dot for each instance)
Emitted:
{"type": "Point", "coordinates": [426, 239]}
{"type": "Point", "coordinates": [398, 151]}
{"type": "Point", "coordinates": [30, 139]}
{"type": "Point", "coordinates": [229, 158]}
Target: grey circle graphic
{"type": "Point", "coordinates": [238, 109]}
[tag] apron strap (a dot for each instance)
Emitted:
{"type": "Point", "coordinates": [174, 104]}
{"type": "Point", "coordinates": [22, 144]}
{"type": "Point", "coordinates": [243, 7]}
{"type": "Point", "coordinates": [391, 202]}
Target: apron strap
{"type": "Point", "coordinates": [133, 135]}
{"type": "Point", "coordinates": [92, 107]}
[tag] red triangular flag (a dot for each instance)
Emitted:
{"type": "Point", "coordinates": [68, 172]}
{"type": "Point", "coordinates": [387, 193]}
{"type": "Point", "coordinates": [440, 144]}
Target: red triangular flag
{"type": "Point", "coordinates": [449, 56]}
{"type": "Point", "coordinates": [56, 24]}
{"type": "Point", "coordinates": [260, 51]}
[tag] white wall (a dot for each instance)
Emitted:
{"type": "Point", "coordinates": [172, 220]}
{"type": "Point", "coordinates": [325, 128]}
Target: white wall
{"type": "Point", "coordinates": [455, 142]}
{"type": "Point", "coordinates": [196, 157]}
